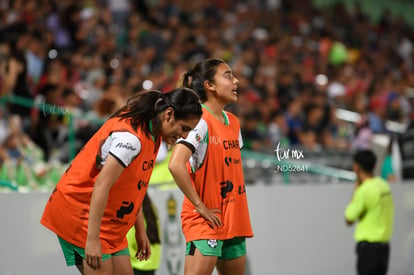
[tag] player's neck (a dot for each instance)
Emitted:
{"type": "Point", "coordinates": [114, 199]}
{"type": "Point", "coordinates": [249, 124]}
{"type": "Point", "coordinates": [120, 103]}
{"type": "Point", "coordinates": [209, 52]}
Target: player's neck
{"type": "Point", "coordinates": [215, 109]}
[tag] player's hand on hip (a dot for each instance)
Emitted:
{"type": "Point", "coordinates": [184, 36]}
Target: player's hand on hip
{"type": "Point", "coordinates": [209, 214]}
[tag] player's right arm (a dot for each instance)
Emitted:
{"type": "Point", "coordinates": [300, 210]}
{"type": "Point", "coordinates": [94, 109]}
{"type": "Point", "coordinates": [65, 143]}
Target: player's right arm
{"type": "Point", "coordinates": [177, 165]}
{"type": "Point", "coordinates": [106, 178]}
{"type": "Point", "coordinates": [116, 158]}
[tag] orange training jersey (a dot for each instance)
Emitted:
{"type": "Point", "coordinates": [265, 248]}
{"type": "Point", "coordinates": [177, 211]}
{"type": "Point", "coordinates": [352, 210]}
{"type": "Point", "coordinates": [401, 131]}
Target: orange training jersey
{"type": "Point", "coordinates": [217, 176]}
{"type": "Point", "coordinates": [67, 210]}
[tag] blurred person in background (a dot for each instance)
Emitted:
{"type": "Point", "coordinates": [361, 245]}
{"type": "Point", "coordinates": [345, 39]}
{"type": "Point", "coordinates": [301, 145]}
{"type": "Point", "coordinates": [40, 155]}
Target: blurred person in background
{"type": "Point", "coordinates": [10, 69]}
{"type": "Point", "coordinates": [294, 122]}
{"type": "Point", "coordinates": [387, 168]}
{"type": "Point", "coordinates": [276, 130]}
{"type": "Point", "coordinates": [35, 56]}
{"type": "Point", "coordinates": [160, 175]}
{"type": "Point", "coordinates": [21, 160]}
{"type": "Point", "coordinates": [363, 135]}
{"type": "Point", "coordinates": [108, 103]}
{"type": "Point", "coordinates": [314, 131]}
{"type": "Point", "coordinates": [94, 86]}
{"type": "Point", "coordinates": [341, 133]}
{"type": "Point", "coordinates": [50, 130]}
{"type": "Point", "coordinates": [207, 167]}
{"type": "Point", "coordinates": [18, 145]}
{"type": "Point", "coordinates": [372, 208]}
{"type": "Point", "coordinates": [377, 115]}
{"type": "Point", "coordinates": [406, 142]}
{"type": "Point", "coordinates": [252, 137]}
{"type": "Point", "coordinates": [153, 229]}
{"type": "Point", "coordinates": [13, 72]}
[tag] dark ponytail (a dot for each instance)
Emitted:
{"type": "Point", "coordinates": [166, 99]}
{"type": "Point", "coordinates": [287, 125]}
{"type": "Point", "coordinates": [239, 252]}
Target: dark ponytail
{"type": "Point", "coordinates": [204, 70]}
{"type": "Point", "coordinates": [151, 219]}
{"type": "Point", "coordinates": [145, 106]}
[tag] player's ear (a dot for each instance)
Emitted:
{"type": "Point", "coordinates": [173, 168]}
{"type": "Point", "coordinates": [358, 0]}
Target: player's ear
{"type": "Point", "coordinates": [169, 114]}
{"type": "Point", "coordinates": [208, 85]}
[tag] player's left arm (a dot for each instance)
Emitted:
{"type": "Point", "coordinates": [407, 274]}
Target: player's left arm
{"type": "Point", "coordinates": [143, 243]}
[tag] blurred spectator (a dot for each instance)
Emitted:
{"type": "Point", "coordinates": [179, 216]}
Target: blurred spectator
{"type": "Point", "coordinates": [406, 144]}
{"type": "Point", "coordinates": [294, 122]}
{"type": "Point", "coordinates": [363, 135]}
{"type": "Point", "coordinates": [377, 115]}
{"type": "Point", "coordinates": [252, 137]}
{"type": "Point", "coordinates": [10, 68]}
{"type": "Point", "coordinates": [35, 56]}
{"type": "Point", "coordinates": [387, 167]}
{"type": "Point", "coordinates": [153, 229]}
{"type": "Point", "coordinates": [120, 11]}
{"type": "Point", "coordinates": [314, 131]}
{"type": "Point", "coordinates": [395, 110]}
{"type": "Point", "coordinates": [341, 133]}
{"type": "Point", "coordinates": [14, 72]}
{"type": "Point", "coordinates": [18, 146]}
{"type": "Point", "coordinates": [94, 86]}
{"type": "Point", "coordinates": [4, 127]}
{"type": "Point", "coordinates": [50, 127]}
{"type": "Point", "coordinates": [276, 130]}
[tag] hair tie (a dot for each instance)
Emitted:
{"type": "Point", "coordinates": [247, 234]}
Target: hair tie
{"type": "Point", "coordinates": [162, 97]}
{"type": "Point", "coordinates": [189, 78]}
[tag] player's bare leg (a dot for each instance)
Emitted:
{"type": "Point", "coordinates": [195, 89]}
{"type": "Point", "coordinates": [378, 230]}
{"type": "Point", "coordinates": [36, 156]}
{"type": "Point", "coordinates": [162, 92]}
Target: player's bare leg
{"type": "Point", "coordinates": [106, 268]}
{"type": "Point", "coordinates": [198, 264]}
{"type": "Point", "coordinates": [122, 265]}
{"type": "Point", "coordinates": [232, 267]}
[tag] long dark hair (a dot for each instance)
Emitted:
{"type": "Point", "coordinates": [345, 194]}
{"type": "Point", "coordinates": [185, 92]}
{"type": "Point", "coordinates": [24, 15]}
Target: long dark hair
{"type": "Point", "coordinates": [151, 218]}
{"type": "Point", "coordinates": [145, 106]}
{"type": "Point", "coordinates": [195, 78]}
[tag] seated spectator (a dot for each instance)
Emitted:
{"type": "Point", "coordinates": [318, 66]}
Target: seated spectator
{"type": "Point", "coordinates": [294, 122]}
{"type": "Point", "coordinates": [276, 130]}
{"type": "Point", "coordinates": [49, 129]}
{"type": "Point", "coordinates": [340, 133]}
{"type": "Point", "coordinates": [10, 68]}
{"type": "Point", "coordinates": [4, 126]}
{"type": "Point", "coordinates": [395, 111]}
{"type": "Point", "coordinates": [377, 115]}
{"type": "Point", "coordinates": [252, 137]}
{"type": "Point", "coordinates": [387, 167]}
{"type": "Point", "coordinates": [314, 131]}
{"type": "Point", "coordinates": [363, 135]}
{"type": "Point", "coordinates": [18, 146]}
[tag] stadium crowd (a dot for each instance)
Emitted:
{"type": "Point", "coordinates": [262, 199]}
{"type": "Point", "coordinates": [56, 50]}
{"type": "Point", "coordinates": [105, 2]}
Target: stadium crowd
{"type": "Point", "coordinates": [297, 66]}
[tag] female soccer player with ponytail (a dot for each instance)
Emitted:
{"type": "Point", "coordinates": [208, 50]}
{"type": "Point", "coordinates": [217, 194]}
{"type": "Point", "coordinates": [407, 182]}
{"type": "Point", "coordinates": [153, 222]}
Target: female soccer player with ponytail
{"type": "Point", "coordinates": [99, 197]}
{"type": "Point", "coordinates": [207, 167]}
